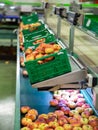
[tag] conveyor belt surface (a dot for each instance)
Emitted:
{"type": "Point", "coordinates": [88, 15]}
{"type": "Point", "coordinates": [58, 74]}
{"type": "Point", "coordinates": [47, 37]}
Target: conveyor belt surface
{"type": "Point", "coordinates": [34, 98]}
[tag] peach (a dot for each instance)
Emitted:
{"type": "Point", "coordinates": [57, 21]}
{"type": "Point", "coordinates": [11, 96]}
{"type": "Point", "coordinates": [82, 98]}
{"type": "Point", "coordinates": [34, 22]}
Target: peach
{"type": "Point", "coordinates": [68, 126]}
{"type": "Point", "coordinates": [59, 113]}
{"type": "Point", "coordinates": [25, 121]}
{"type": "Point", "coordinates": [28, 51]}
{"type": "Point", "coordinates": [71, 104]}
{"type": "Point", "coordinates": [24, 109]}
{"type": "Point", "coordinates": [53, 124]}
{"type": "Point", "coordinates": [62, 120]}
{"type": "Point", "coordinates": [73, 112]}
{"type": "Point", "coordinates": [79, 109]}
{"type": "Point", "coordinates": [39, 56]}
{"type": "Point", "coordinates": [84, 121]}
{"type": "Point", "coordinates": [53, 102]}
{"type": "Point", "coordinates": [30, 116]}
{"type": "Point", "coordinates": [87, 127]}
{"type": "Point", "coordinates": [33, 111]}
{"type": "Point", "coordinates": [49, 50]}
{"type": "Point", "coordinates": [93, 122]}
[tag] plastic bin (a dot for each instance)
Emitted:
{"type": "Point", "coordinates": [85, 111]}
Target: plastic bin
{"type": "Point", "coordinates": [33, 18]}
{"type": "Point", "coordinates": [36, 35]}
{"type": "Point", "coordinates": [48, 39]}
{"type": "Point", "coordinates": [91, 23]}
{"type": "Point", "coordinates": [37, 29]}
{"type": "Point", "coordinates": [40, 72]}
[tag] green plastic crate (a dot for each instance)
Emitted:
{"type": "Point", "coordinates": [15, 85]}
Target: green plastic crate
{"type": "Point", "coordinates": [33, 18]}
{"type": "Point", "coordinates": [39, 28]}
{"type": "Point", "coordinates": [56, 67]}
{"type": "Point", "coordinates": [48, 39]}
{"type": "Point", "coordinates": [36, 35]}
{"type": "Point", "coordinates": [91, 23]}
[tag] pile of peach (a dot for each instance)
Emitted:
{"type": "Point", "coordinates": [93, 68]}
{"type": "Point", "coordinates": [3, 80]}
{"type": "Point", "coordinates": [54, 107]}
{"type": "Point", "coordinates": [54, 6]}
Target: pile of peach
{"type": "Point", "coordinates": [72, 113]}
{"type": "Point", "coordinates": [28, 26]}
{"type": "Point", "coordinates": [42, 50]}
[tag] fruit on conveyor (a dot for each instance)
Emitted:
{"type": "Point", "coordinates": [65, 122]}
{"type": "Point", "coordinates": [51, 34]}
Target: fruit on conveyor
{"type": "Point", "coordinates": [25, 73]}
{"type": "Point", "coordinates": [25, 109]}
{"type": "Point", "coordinates": [65, 117]}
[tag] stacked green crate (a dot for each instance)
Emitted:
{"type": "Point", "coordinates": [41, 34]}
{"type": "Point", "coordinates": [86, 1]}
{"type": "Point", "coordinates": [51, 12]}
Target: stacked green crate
{"type": "Point", "coordinates": [91, 23]}
{"type": "Point", "coordinates": [57, 66]}
{"type": "Point", "coordinates": [47, 39]}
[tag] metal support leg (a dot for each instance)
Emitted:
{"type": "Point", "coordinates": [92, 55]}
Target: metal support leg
{"type": "Point", "coordinates": [71, 39]}
{"type": "Point", "coordinates": [59, 27]}
{"type": "Point", "coordinates": [45, 15]}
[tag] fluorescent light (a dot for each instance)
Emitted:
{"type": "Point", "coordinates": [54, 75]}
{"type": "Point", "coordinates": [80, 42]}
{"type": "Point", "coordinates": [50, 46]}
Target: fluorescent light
{"type": "Point", "coordinates": [12, 7]}
{"type": "Point", "coordinates": [2, 4]}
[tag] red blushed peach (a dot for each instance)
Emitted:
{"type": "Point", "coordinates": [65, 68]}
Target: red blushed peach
{"type": "Point", "coordinates": [93, 122]}
{"type": "Point", "coordinates": [50, 119]}
{"type": "Point", "coordinates": [53, 102]}
{"type": "Point", "coordinates": [30, 116]}
{"type": "Point", "coordinates": [25, 121]}
{"type": "Point", "coordinates": [33, 111]}
{"type": "Point", "coordinates": [74, 121]}
{"type": "Point", "coordinates": [85, 114]}
{"type": "Point", "coordinates": [86, 105]}
{"type": "Point", "coordinates": [59, 113]}
{"type": "Point", "coordinates": [95, 127]}
{"type": "Point", "coordinates": [40, 120]}
{"type": "Point", "coordinates": [66, 110]}
{"type": "Point", "coordinates": [53, 124]}
{"type": "Point", "coordinates": [89, 110]}
{"type": "Point", "coordinates": [32, 125]}
{"type": "Point", "coordinates": [24, 109]}
{"type": "Point", "coordinates": [62, 120]}
{"type": "Point", "coordinates": [52, 114]}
